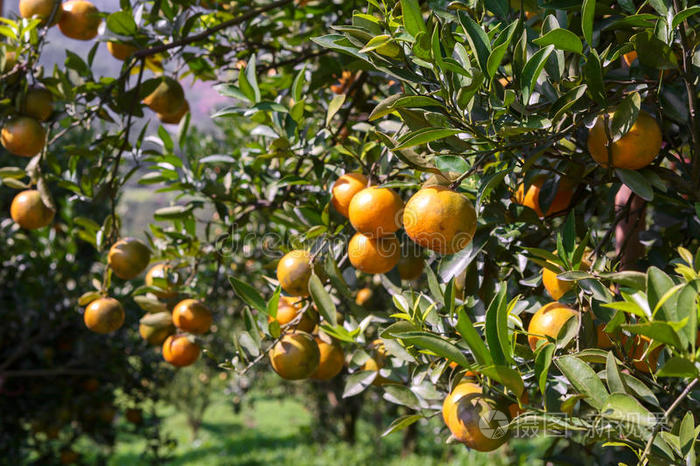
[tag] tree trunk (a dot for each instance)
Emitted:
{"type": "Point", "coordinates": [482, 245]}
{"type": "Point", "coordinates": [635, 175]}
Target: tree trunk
{"type": "Point", "coordinates": [410, 438]}
{"type": "Point", "coordinates": [627, 245]}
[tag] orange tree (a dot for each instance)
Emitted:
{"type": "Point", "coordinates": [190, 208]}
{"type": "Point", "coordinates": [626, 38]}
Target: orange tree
{"type": "Point", "coordinates": [494, 143]}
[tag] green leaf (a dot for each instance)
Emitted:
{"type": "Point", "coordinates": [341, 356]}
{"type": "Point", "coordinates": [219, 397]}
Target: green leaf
{"type": "Point", "coordinates": [506, 376]}
{"type": "Point", "coordinates": [614, 377]}
{"type": "Point", "coordinates": [173, 212]}
{"type": "Point", "coordinates": [658, 284]}
{"type": "Point", "coordinates": [324, 302]}
{"type": "Point", "coordinates": [678, 367]}
{"type": "Point", "coordinates": [686, 309]}
{"type": "Point", "coordinates": [687, 434]}
{"type": "Point", "coordinates": [659, 331]}
{"type": "Point", "coordinates": [395, 101]}
{"type": "Point", "coordinates": [625, 116]}
{"type": "Point", "coordinates": [334, 106]}
{"type": "Point", "coordinates": [624, 408]}
{"type": "Point", "coordinates": [500, 48]}
{"type": "Point", "coordinates": [543, 360]}
{"type": "Point", "coordinates": [593, 77]}
{"type": "Point", "coordinates": [627, 278]}
{"type": "Point", "coordinates": [653, 52]}
{"type": "Point", "coordinates": [683, 15]}
{"type": "Point", "coordinates": [478, 40]}
{"type": "Point", "coordinates": [636, 182]}
{"type": "Point", "coordinates": [584, 380]}
{"type": "Point", "coordinates": [248, 294]}
{"type": "Point", "coordinates": [122, 23]}
{"type": "Point", "coordinates": [252, 79]}
{"type": "Point", "coordinates": [473, 339]}
{"type": "Point", "coordinates": [587, 17]}
{"type": "Point", "coordinates": [563, 39]}
{"type": "Point", "coordinates": [273, 303]}
{"type": "Point", "coordinates": [358, 382]}
{"type": "Point", "coordinates": [400, 395]}
{"type": "Point", "coordinates": [437, 345]}
{"type": "Point", "coordinates": [567, 101]}
{"type": "Point", "coordinates": [401, 423]}
{"type": "Point", "coordinates": [533, 69]}
{"type": "Point", "coordinates": [424, 136]}
{"type": "Point", "coordinates": [412, 17]}
{"type": "Point", "coordinates": [497, 328]}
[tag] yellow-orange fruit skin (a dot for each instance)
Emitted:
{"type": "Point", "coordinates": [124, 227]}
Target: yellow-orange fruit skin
{"type": "Point", "coordinates": [168, 98]}
{"type": "Point", "coordinates": [629, 57]}
{"type": "Point", "coordinates": [155, 335]}
{"type": "Point", "coordinates": [374, 255]}
{"type": "Point", "coordinates": [603, 340]}
{"type": "Point", "coordinates": [531, 197]}
{"type": "Point", "coordinates": [179, 351]}
{"type": "Point", "coordinates": [378, 355]}
{"type": "Point", "coordinates": [80, 20]}
{"type": "Point", "coordinates": [294, 271]}
{"type": "Point", "coordinates": [633, 151]}
{"type": "Point", "coordinates": [548, 320]}
{"type": "Point", "coordinates": [558, 288]}
{"type": "Point", "coordinates": [174, 118]}
{"type": "Point", "coordinates": [344, 189]}
{"type": "Point", "coordinates": [363, 296]}
{"type": "Point", "coordinates": [288, 309]}
{"type": "Point", "coordinates": [128, 257]}
{"type": "Point", "coordinates": [162, 271]}
{"type": "Point", "coordinates": [104, 315]}
{"type": "Point", "coordinates": [192, 316]}
{"type": "Point", "coordinates": [376, 211]}
{"type": "Point", "coordinates": [462, 411]}
{"type": "Point", "coordinates": [29, 211]}
{"type": "Point", "coordinates": [23, 136]}
{"type": "Point", "coordinates": [639, 346]}
{"type": "Point", "coordinates": [40, 8]}
{"type": "Point", "coordinates": [38, 103]}
{"type": "Point", "coordinates": [331, 361]}
{"type": "Point", "coordinates": [120, 50]}
{"type": "Point", "coordinates": [440, 219]}
{"type": "Point", "coordinates": [410, 266]}
{"type": "Point", "coordinates": [296, 356]}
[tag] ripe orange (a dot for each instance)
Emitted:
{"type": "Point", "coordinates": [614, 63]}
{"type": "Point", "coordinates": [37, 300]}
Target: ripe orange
{"type": "Point", "coordinates": [548, 320]}
{"type": "Point", "coordinates": [294, 271]}
{"type": "Point", "coordinates": [374, 255]}
{"type": "Point", "coordinates": [29, 211]}
{"type": "Point", "coordinates": [364, 297]}
{"type": "Point", "coordinates": [296, 356]}
{"type": "Point", "coordinates": [331, 362]}
{"type": "Point", "coordinates": [128, 257]}
{"type": "Point", "coordinates": [635, 150]}
{"type": "Point", "coordinates": [156, 327]}
{"type": "Point", "coordinates": [192, 316]}
{"type": "Point", "coordinates": [38, 103]}
{"type": "Point", "coordinates": [469, 415]}
{"type": "Point", "coordinates": [40, 8]}
{"type": "Point", "coordinates": [179, 351]}
{"type": "Point", "coordinates": [288, 309]}
{"type": "Point", "coordinates": [531, 198]}
{"type": "Point", "coordinates": [120, 50]}
{"type": "Point", "coordinates": [167, 98]}
{"type": "Point", "coordinates": [630, 57]}
{"type": "Point", "coordinates": [80, 20]}
{"type": "Point", "coordinates": [411, 265]}
{"type": "Point", "coordinates": [104, 315]}
{"type": "Point", "coordinates": [639, 346]}
{"type": "Point", "coordinates": [168, 282]}
{"type": "Point", "coordinates": [514, 410]}
{"type": "Point", "coordinates": [344, 82]}
{"type": "Point", "coordinates": [344, 189]}
{"type": "Point", "coordinates": [23, 136]}
{"type": "Point", "coordinates": [558, 288]}
{"type": "Point", "coordinates": [376, 362]}
{"type": "Point", "coordinates": [134, 415]}
{"type": "Point", "coordinates": [174, 118]}
{"type": "Point", "coordinates": [603, 340]}
{"type": "Point", "coordinates": [440, 219]}
{"type": "Point", "coordinates": [376, 211]}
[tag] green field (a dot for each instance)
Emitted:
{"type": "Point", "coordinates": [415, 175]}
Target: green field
{"type": "Point", "coordinates": [279, 432]}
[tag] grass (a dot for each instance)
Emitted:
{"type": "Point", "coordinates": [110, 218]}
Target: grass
{"type": "Point", "coordinates": [279, 432]}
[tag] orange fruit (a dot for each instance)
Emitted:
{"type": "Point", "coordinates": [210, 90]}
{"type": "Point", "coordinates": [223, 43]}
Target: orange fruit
{"type": "Point", "coordinates": [179, 351]}
{"type": "Point", "coordinates": [192, 316]}
{"type": "Point", "coordinates": [531, 198]}
{"type": "Point", "coordinates": [80, 20]}
{"type": "Point", "coordinates": [294, 271]}
{"type": "Point", "coordinates": [603, 339]}
{"type": "Point", "coordinates": [174, 118]}
{"type": "Point", "coordinates": [128, 257]}
{"type": "Point", "coordinates": [411, 265]}
{"type": "Point", "coordinates": [168, 282]}
{"type": "Point", "coordinates": [639, 346]}
{"type": "Point", "coordinates": [40, 8]}
{"type": "Point", "coordinates": [288, 309]}
{"type": "Point", "coordinates": [469, 415]}
{"type": "Point", "coordinates": [630, 57]}
{"type": "Point", "coordinates": [378, 356]}
{"type": "Point", "coordinates": [104, 315]}
{"type": "Point", "coordinates": [558, 288]}
{"type": "Point", "coordinates": [29, 211]}
{"type": "Point", "coordinates": [376, 211]}
{"type": "Point", "coordinates": [38, 103]}
{"type": "Point", "coordinates": [635, 150]}
{"type": "Point", "coordinates": [156, 327]}
{"type": "Point", "coordinates": [167, 98]}
{"type": "Point", "coordinates": [440, 219]}
{"type": "Point", "coordinates": [344, 189]}
{"type": "Point", "coordinates": [548, 320]}
{"type": "Point", "coordinates": [344, 82]}
{"type": "Point", "coordinates": [363, 296]}
{"type": "Point", "coordinates": [120, 50]}
{"type": "Point", "coordinates": [134, 415]}
{"type": "Point", "coordinates": [296, 356]}
{"type": "Point", "coordinates": [374, 255]}
{"type": "Point", "coordinates": [514, 410]}
{"type": "Point", "coordinates": [331, 362]}
{"type": "Point", "coordinates": [23, 136]}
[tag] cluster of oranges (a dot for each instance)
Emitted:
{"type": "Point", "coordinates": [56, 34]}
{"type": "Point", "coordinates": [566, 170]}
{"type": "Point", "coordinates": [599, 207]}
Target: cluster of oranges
{"type": "Point", "coordinates": [127, 259]}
